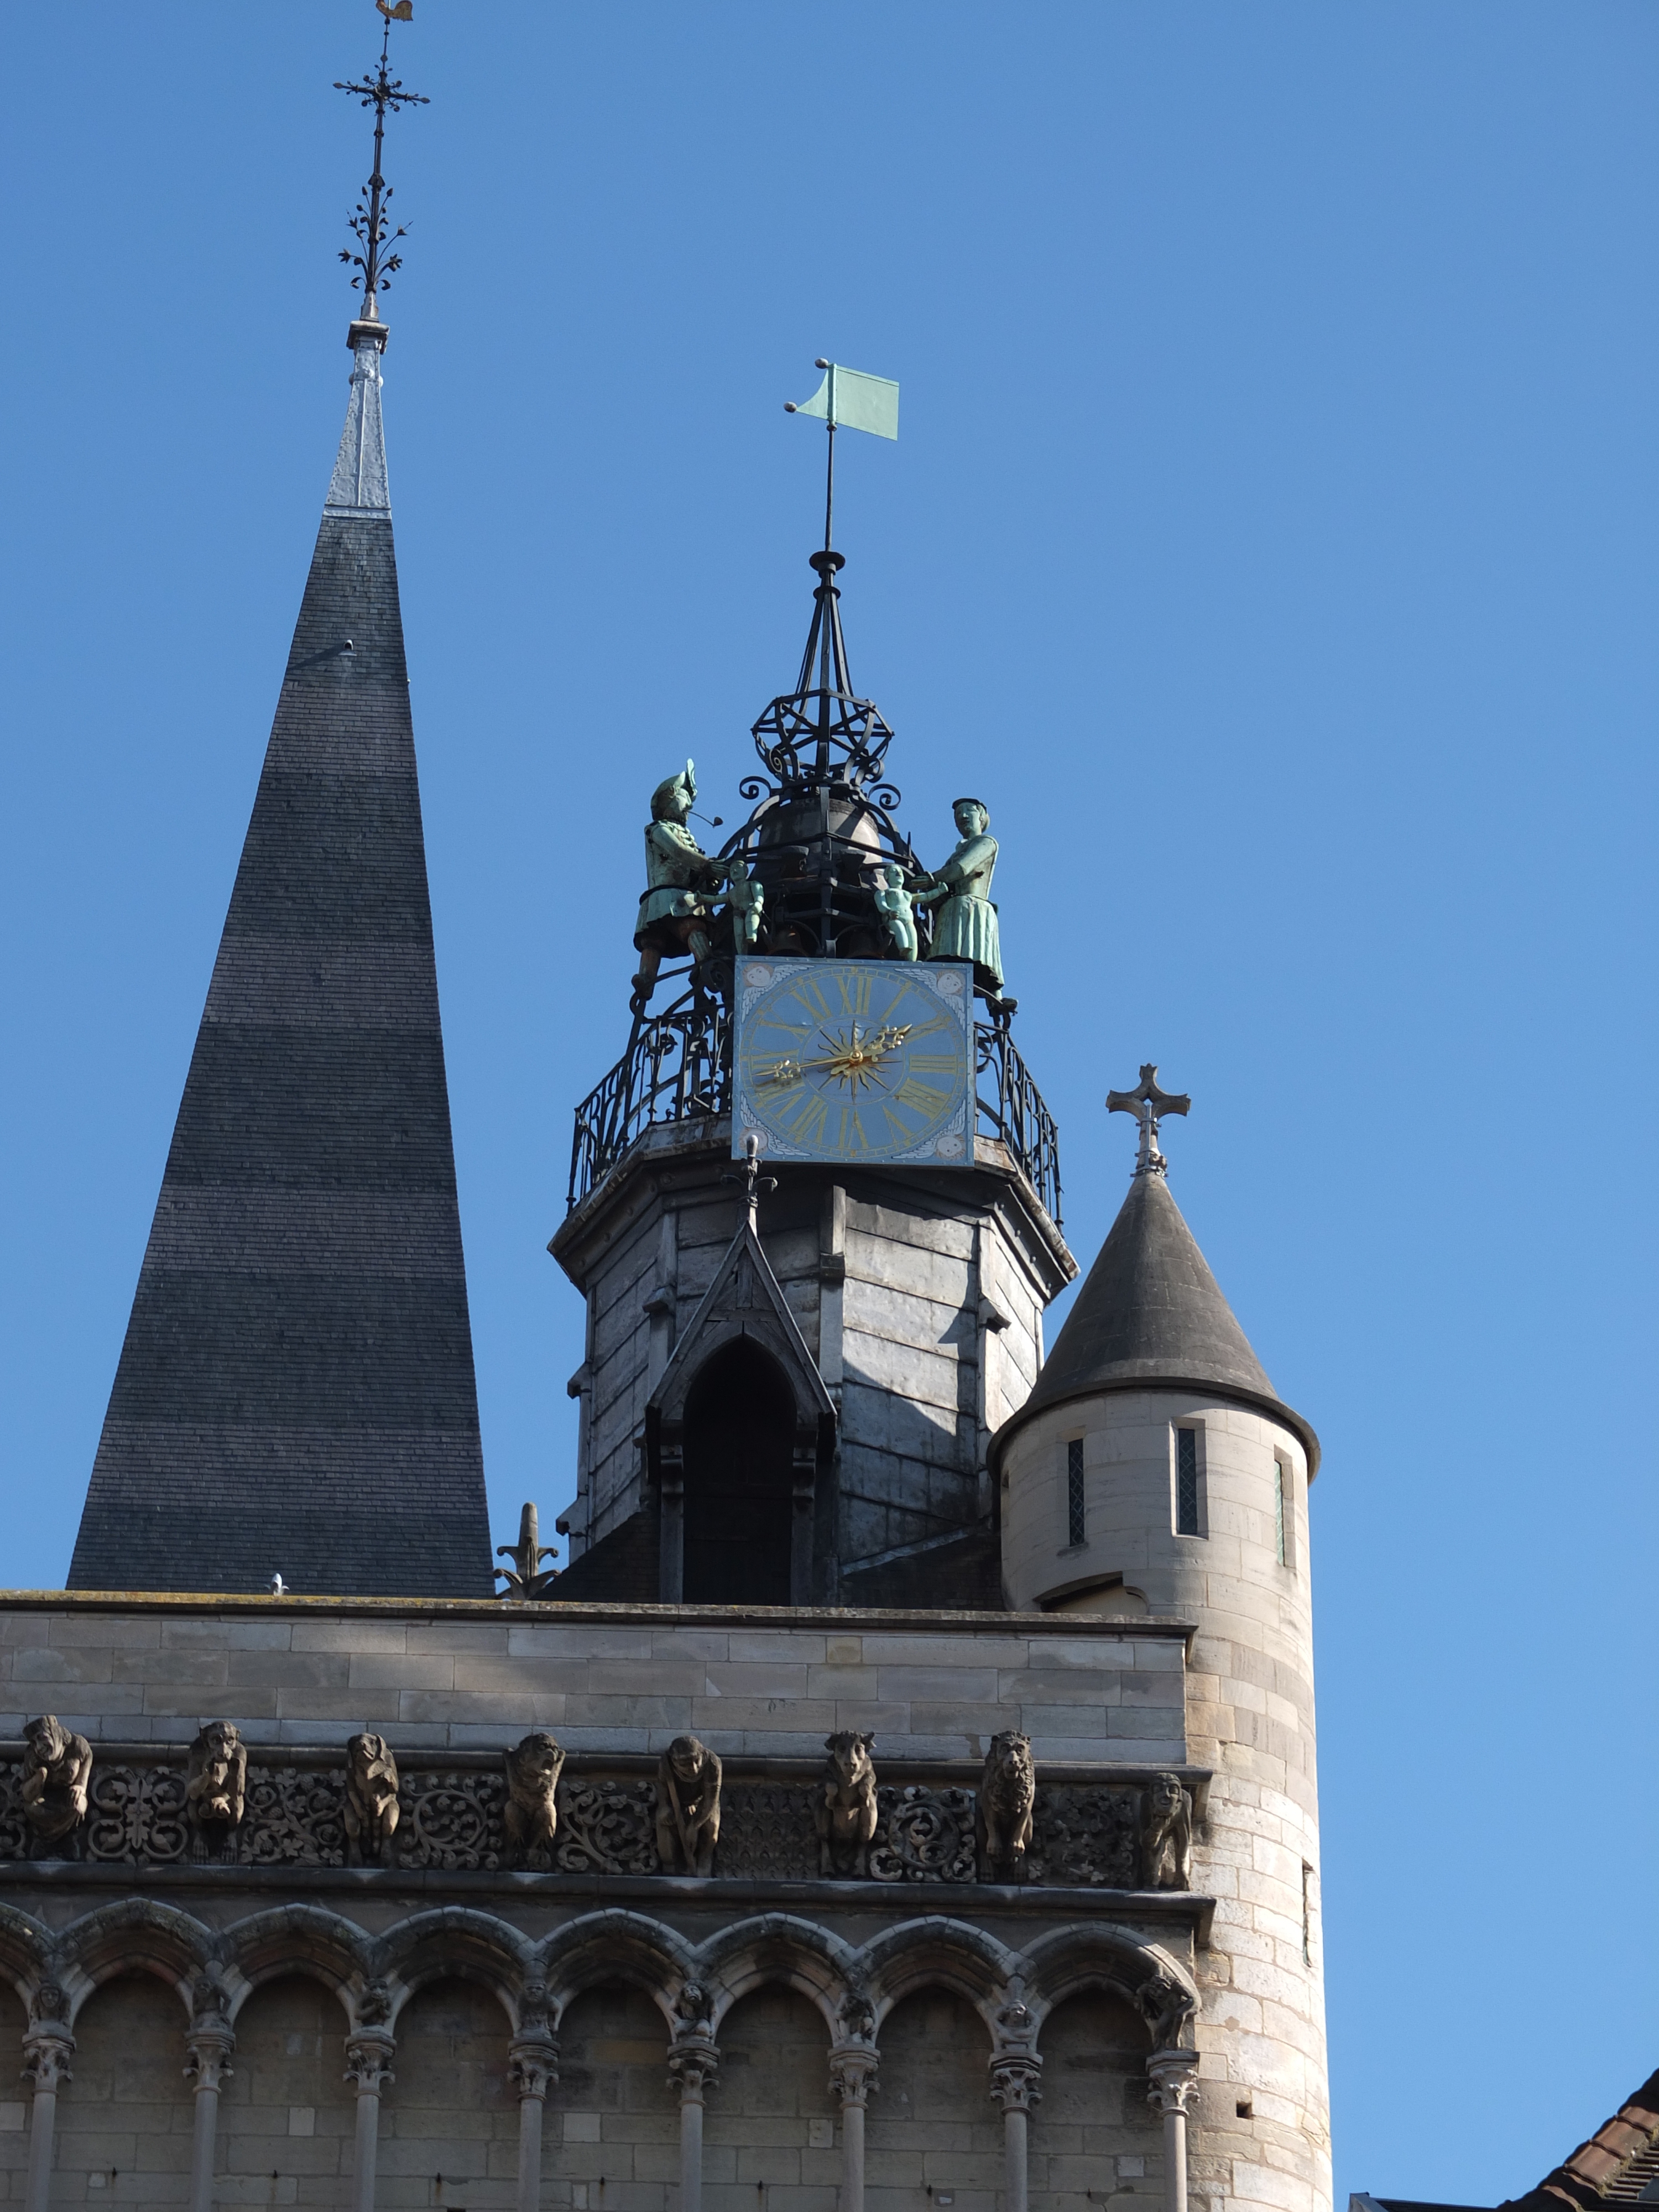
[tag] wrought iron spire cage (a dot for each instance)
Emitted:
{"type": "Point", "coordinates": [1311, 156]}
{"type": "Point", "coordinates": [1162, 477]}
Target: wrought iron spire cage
{"type": "Point", "coordinates": [822, 820]}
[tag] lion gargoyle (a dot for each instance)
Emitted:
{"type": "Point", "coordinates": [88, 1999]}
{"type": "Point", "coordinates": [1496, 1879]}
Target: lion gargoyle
{"type": "Point", "coordinates": [688, 1806]}
{"type": "Point", "coordinates": [215, 1786]}
{"type": "Point", "coordinates": [531, 1815]}
{"type": "Point", "coordinates": [845, 1808]}
{"type": "Point", "coordinates": [56, 1767]}
{"type": "Point", "coordinates": [1166, 1835]}
{"type": "Point", "coordinates": [370, 1811]}
{"type": "Point", "coordinates": [1007, 1799]}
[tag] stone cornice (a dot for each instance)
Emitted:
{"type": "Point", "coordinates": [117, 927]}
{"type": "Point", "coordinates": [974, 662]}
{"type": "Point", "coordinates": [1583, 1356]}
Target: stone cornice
{"type": "Point", "coordinates": [725, 1895]}
{"type": "Point", "coordinates": [549, 1613]}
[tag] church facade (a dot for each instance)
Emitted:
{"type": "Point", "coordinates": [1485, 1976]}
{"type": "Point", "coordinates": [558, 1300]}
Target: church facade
{"type": "Point", "coordinates": [906, 1793]}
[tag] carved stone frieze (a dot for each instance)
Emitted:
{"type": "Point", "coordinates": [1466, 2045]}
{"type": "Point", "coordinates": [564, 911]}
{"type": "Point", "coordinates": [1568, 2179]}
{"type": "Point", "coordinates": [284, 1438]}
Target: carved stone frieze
{"type": "Point", "coordinates": [137, 1812]}
{"type": "Point", "coordinates": [1112, 1836]}
{"type": "Point", "coordinates": [923, 1835]}
{"type": "Point", "coordinates": [293, 1816]}
{"type": "Point", "coordinates": [607, 1828]}
{"type": "Point", "coordinates": [1085, 1838]}
{"type": "Point", "coordinates": [14, 1821]}
{"type": "Point", "coordinates": [768, 1831]}
{"type": "Point", "coordinates": [450, 1821]}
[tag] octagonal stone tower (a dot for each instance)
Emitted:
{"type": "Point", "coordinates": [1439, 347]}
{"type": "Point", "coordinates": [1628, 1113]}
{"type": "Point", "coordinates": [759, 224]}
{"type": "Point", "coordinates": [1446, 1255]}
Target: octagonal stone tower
{"type": "Point", "coordinates": [1154, 1470]}
{"type": "Point", "coordinates": [798, 1413]}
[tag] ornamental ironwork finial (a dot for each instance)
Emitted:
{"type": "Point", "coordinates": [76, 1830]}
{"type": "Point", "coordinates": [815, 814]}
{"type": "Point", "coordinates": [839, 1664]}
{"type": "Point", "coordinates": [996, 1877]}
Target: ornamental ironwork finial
{"type": "Point", "coordinates": [369, 222]}
{"type": "Point", "coordinates": [754, 1182]}
{"type": "Point", "coordinates": [1149, 1105]}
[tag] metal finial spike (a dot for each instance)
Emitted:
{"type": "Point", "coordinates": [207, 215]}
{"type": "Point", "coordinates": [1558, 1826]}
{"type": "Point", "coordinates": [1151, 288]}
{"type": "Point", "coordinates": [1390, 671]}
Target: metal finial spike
{"type": "Point", "coordinates": [754, 1182]}
{"type": "Point", "coordinates": [1149, 1105]}
{"type": "Point", "coordinates": [369, 222]}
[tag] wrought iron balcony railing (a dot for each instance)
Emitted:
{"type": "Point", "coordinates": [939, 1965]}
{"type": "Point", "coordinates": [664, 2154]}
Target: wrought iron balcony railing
{"type": "Point", "coordinates": [677, 1068]}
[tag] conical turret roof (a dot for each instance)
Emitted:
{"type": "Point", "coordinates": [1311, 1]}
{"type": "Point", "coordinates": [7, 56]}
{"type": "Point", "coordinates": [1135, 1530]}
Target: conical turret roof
{"type": "Point", "coordinates": [1150, 1314]}
{"type": "Point", "coordinates": [295, 1395]}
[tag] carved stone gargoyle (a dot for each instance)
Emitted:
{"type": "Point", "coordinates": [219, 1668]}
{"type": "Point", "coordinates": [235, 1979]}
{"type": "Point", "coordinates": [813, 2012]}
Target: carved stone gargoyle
{"type": "Point", "coordinates": [688, 1806]}
{"type": "Point", "coordinates": [370, 1811]}
{"type": "Point", "coordinates": [844, 1807]}
{"type": "Point", "coordinates": [1166, 1834]}
{"type": "Point", "coordinates": [216, 1789]}
{"type": "Point", "coordinates": [56, 1767]}
{"type": "Point", "coordinates": [531, 1815]}
{"type": "Point", "coordinates": [1007, 1796]}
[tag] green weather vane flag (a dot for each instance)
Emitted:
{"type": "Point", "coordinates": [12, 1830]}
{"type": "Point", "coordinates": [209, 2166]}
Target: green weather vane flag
{"type": "Point", "coordinates": [848, 399]}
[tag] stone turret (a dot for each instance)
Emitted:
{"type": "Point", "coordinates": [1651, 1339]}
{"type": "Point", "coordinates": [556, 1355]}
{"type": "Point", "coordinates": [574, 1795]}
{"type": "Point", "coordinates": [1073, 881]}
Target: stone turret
{"type": "Point", "coordinates": [1155, 1471]}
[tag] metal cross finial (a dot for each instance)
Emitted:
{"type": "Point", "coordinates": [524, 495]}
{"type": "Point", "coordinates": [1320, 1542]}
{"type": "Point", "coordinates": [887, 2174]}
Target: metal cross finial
{"type": "Point", "coordinates": [1149, 1105]}
{"type": "Point", "coordinates": [385, 94]}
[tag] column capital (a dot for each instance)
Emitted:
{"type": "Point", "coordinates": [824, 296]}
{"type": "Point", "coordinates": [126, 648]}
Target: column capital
{"type": "Point", "coordinates": [1172, 2080]}
{"type": "Point", "coordinates": [693, 2063]}
{"type": "Point", "coordinates": [533, 2064]}
{"type": "Point", "coordinates": [1016, 2079]}
{"type": "Point", "coordinates": [369, 2053]}
{"type": "Point", "coordinates": [47, 2055]}
{"type": "Point", "coordinates": [207, 2047]}
{"type": "Point", "coordinates": [853, 2068]}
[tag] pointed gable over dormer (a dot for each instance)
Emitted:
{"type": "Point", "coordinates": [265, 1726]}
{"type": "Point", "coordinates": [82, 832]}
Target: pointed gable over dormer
{"type": "Point", "coordinates": [729, 1528]}
{"type": "Point", "coordinates": [295, 1395]}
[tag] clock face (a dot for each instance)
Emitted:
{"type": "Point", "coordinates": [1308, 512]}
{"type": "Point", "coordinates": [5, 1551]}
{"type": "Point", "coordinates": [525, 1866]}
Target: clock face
{"type": "Point", "coordinates": [855, 1060]}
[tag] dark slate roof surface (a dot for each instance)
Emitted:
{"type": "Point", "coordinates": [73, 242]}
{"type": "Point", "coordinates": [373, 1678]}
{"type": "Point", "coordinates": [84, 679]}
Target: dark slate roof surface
{"type": "Point", "coordinates": [1152, 1313]}
{"type": "Point", "coordinates": [296, 1394]}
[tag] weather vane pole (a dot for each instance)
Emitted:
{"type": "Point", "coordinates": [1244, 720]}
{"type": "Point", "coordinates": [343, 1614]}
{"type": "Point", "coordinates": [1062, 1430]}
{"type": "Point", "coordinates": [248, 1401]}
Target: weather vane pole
{"type": "Point", "coordinates": [385, 94]}
{"type": "Point", "coordinates": [848, 399]}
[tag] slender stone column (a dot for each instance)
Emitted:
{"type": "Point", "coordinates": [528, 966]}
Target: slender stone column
{"type": "Point", "coordinates": [47, 2051]}
{"type": "Point", "coordinates": [533, 2065]}
{"type": "Point", "coordinates": [1173, 2075]}
{"type": "Point", "coordinates": [209, 2047]}
{"type": "Point", "coordinates": [368, 2068]}
{"type": "Point", "coordinates": [693, 2062]}
{"type": "Point", "coordinates": [1014, 2078]}
{"type": "Point", "coordinates": [852, 2076]}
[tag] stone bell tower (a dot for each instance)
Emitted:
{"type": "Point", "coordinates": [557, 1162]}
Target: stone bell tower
{"type": "Point", "coordinates": [793, 1404]}
{"type": "Point", "coordinates": [1154, 1470]}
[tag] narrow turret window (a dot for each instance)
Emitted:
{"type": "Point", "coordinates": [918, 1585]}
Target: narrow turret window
{"type": "Point", "coordinates": [1075, 1530]}
{"type": "Point", "coordinates": [1280, 1474]}
{"type": "Point", "coordinates": [1186, 1502]}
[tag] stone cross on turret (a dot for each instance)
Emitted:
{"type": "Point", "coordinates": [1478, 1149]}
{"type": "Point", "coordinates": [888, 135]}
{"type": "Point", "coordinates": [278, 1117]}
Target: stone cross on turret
{"type": "Point", "coordinates": [1149, 1105]}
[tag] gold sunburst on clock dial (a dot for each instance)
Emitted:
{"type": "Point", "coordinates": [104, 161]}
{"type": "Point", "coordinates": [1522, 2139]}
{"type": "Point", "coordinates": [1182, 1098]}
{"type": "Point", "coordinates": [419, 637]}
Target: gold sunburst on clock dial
{"type": "Point", "coordinates": [855, 1060]}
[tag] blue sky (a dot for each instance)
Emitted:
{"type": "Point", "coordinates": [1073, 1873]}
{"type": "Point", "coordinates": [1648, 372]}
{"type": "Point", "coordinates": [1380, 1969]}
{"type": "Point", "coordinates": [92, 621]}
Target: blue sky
{"type": "Point", "coordinates": [1271, 540]}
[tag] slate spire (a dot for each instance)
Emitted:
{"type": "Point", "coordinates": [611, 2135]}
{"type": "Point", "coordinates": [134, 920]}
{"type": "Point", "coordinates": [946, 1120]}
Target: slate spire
{"type": "Point", "coordinates": [296, 1394]}
{"type": "Point", "coordinates": [1150, 1314]}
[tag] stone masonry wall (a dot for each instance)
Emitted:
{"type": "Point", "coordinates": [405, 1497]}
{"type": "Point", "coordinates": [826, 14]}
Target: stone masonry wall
{"type": "Point", "coordinates": [440, 1674]}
